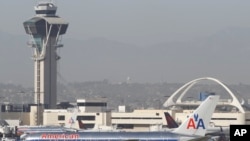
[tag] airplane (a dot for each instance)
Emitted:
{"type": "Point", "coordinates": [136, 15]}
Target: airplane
{"type": "Point", "coordinates": [23, 130]}
{"type": "Point", "coordinates": [171, 123]}
{"type": "Point", "coordinates": [192, 129]}
{"type": "Point", "coordinates": [35, 129]}
{"type": "Point", "coordinates": [219, 131]}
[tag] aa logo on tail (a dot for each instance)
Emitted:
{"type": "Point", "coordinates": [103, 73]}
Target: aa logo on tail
{"type": "Point", "coordinates": [195, 122]}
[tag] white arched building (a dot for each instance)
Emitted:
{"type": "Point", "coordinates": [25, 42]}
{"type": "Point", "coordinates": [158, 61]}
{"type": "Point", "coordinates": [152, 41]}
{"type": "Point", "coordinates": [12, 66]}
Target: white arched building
{"type": "Point", "coordinates": [230, 111]}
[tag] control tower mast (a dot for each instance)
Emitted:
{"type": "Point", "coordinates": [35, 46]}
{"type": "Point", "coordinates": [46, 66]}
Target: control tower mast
{"type": "Point", "coordinates": [45, 30]}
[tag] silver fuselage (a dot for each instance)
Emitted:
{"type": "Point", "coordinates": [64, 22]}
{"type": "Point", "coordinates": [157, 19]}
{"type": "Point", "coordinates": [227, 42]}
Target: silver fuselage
{"type": "Point", "coordinates": [108, 136]}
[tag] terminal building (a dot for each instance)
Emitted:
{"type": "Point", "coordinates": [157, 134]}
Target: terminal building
{"type": "Point", "coordinates": [94, 113]}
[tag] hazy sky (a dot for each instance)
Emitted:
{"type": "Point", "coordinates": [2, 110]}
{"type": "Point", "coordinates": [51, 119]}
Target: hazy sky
{"type": "Point", "coordinates": [135, 21]}
{"type": "Point", "coordinates": [138, 22]}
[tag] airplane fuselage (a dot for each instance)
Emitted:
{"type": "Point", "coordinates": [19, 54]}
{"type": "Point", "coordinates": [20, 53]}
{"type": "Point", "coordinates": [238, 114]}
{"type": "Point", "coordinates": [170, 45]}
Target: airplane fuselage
{"type": "Point", "coordinates": [108, 136]}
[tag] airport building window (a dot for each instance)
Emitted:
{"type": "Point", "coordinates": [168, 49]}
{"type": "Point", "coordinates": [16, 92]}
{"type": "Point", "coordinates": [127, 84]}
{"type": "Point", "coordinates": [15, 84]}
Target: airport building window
{"type": "Point", "coordinates": [125, 126]}
{"type": "Point", "coordinates": [88, 126]}
{"type": "Point", "coordinates": [61, 117]}
{"type": "Point", "coordinates": [136, 118]}
{"type": "Point", "coordinates": [102, 104]}
{"type": "Point", "coordinates": [224, 119]}
{"type": "Point", "coordinates": [85, 117]}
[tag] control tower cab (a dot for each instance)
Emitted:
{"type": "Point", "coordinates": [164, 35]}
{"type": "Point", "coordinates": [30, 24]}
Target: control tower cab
{"type": "Point", "coordinates": [45, 9]}
{"type": "Point", "coordinates": [45, 30]}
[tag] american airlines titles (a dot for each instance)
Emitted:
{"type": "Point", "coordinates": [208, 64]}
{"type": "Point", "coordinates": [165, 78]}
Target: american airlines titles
{"type": "Point", "coordinates": [59, 136]}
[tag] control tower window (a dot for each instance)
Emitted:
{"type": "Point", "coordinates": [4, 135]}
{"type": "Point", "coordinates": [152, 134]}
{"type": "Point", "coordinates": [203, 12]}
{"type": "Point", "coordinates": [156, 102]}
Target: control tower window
{"type": "Point", "coordinates": [46, 12]}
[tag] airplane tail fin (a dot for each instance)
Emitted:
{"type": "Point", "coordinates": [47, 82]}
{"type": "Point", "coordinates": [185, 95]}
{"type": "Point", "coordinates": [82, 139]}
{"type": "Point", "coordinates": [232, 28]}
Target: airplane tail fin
{"type": "Point", "coordinates": [198, 121]}
{"type": "Point", "coordinates": [170, 121]}
{"type": "Point", "coordinates": [73, 118]}
{"type": "Point", "coordinates": [81, 125]}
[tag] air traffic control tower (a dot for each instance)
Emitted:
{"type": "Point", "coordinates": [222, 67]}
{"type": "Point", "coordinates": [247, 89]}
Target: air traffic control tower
{"type": "Point", "coordinates": [45, 30]}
